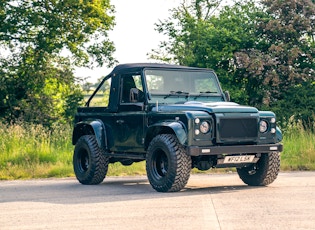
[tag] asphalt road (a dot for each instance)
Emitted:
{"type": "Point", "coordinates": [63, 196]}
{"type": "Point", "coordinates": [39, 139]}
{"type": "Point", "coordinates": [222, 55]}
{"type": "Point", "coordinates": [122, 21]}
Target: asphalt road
{"type": "Point", "coordinates": [214, 201]}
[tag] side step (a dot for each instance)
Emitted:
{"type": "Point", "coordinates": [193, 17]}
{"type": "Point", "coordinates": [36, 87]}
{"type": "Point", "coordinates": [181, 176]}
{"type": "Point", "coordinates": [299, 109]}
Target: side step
{"type": "Point", "coordinates": [136, 156]}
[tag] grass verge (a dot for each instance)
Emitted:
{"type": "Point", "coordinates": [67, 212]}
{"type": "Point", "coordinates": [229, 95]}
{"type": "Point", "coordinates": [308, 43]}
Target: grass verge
{"type": "Point", "coordinates": [32, 151]}
{"type": "Point", "coordinates": [299, 149]}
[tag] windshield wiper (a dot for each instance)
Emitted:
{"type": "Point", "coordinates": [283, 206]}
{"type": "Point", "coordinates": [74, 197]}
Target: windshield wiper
{"type": "Point", "coordinates": [206, 93]}
{"type": "Point", "coordinates": [176, 93]}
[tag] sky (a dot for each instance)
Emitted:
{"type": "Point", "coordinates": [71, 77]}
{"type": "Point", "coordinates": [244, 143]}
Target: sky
{"type": "Point", "coordinates": [134, 34]}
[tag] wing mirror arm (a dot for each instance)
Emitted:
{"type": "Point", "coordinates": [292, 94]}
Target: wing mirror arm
{"type": "Point", "coordinates": [227, 95]}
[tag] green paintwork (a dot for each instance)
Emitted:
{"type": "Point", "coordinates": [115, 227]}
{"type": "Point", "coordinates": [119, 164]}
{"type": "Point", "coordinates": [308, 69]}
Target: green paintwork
{"type": "Point", "coordinates": [175, 126]}
{"type": "Point", "coordinates": [214, 107]}
{"type": "Point", "coordinates": [127, 128]}
{"type": "Point", "coordinates": [96, 126]}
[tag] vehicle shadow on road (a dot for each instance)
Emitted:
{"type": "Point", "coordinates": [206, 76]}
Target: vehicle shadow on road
{"type": "Point", "coordinates": [70, 191]}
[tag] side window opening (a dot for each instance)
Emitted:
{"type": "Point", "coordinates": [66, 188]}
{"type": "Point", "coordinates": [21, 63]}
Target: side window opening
{"type": "Point", "coordinates": [132, 89]}
{"type": "Point", "coordinates": [101, 98]}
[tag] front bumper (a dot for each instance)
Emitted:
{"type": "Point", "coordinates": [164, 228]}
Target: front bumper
{"type": "Point", "coordinates": [233, 149]}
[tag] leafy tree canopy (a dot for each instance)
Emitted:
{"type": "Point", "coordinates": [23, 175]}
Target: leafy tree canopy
{"type": "Point", "coordinates": [283, 56]}
{"type": "Point", "coordinates": [41, 41]}
{"type": "Point", "coordinates": [200, 36]}
{"type": "Point", "coordinates": [50, 26]}
{"type": "Point", "coordinates": [283, 61]}
{"type": "Point", "coordinates": [261, 52]}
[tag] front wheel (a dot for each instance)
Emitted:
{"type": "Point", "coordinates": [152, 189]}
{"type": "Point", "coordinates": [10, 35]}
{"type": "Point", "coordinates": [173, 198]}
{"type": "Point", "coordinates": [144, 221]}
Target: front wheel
{"type": "Point", "coordinates": [167, 164]}
{"type": "Point", "coordinates": [89, 163]}
{"type": "Point", "coordinates": [264, 172]}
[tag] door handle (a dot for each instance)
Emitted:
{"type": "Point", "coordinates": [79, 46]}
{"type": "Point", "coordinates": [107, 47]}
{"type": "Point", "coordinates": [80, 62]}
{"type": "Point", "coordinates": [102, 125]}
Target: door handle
{"type": "Point", "coordinates": [120, 122]}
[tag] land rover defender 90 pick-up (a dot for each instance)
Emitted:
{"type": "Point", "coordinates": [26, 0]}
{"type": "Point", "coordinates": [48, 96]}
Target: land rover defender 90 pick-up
{"type": "Point", "coordinates": [175, 118]}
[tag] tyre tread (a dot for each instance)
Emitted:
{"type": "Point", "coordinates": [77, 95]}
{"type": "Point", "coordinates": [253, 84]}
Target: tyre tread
{"type": "Point", "coordinates": [269, 167]}
{"type": "Point", "coordinates": [182, 163]}
{"type": "Point", "coordinates": [98, 165]}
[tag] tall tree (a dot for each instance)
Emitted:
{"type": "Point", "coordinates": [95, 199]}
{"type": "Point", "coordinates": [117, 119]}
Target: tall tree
{"type": "Point", "coordinates": [283, 61]}
{"type": "Point", "coordinates": [49, 26]}
{"type": "Point", "coordinates": [261, 52]}
{"type": "Point", "coordinates": [41, 41]}
{"type": "Point", "coordinates": [202, 35]}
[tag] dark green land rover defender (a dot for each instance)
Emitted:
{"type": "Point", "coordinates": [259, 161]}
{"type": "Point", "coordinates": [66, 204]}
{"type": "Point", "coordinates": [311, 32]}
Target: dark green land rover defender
{"type": "Point", "coordinates": [175, 118]}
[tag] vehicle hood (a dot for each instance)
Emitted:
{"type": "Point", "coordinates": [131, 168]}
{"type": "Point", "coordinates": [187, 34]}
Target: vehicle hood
{"type": "Point", "coordinates": [211, 107]}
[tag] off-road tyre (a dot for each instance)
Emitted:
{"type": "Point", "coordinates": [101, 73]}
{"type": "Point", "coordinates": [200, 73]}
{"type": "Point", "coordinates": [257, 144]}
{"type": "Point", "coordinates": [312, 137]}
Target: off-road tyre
{"type": "Point", "coordinates": [264, 172]}
{"type": "Point", "coordinates": [89, 163]}
{"type": "Point", "coordinates": [167, 164]}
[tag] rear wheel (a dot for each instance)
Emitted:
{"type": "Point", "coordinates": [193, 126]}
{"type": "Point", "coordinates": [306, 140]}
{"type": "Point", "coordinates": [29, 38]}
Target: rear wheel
{"type": "Point", "coordinates": [89, 163]}
{"type": "Point", "coordinates": [167, 164]}
{"type": "Point", "coordinates": [264, 172]}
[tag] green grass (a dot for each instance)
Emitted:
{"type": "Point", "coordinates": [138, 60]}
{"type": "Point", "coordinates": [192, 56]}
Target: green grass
{"type": "Point", "coordinates": [136, 169]}
{"type": "Point", "coordinates": [32, 151]}
{"type": "Point", "coordinates": [299, 149]}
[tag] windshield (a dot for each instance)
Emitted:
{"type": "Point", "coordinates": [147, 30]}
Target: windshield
{"type": "Point", "coordinates": [168, 86]}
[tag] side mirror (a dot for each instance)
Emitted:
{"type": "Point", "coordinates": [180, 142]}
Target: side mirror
{"type": "Point", "coordinates": [134, 95]}
{"type": "Point", "coordinates": [227, 95]}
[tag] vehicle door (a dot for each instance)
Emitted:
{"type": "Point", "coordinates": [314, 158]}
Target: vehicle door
{"type": "Point", "coordinates": [129, 120]}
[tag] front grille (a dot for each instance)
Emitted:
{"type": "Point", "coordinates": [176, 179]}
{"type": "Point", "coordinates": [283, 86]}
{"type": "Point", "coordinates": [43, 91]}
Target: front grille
{"type": "Point", "coordinates": [238, 129]}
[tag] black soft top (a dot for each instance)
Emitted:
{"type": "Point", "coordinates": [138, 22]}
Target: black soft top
{"type": "Point", "coordinates": [123, 68]}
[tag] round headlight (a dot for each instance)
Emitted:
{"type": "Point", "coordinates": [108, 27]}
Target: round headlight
{"type": "Point", "coordinates": [263, 126]}
{"type": "Point", "coordinates": [204, 127]}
